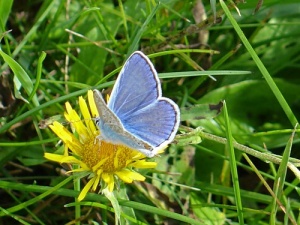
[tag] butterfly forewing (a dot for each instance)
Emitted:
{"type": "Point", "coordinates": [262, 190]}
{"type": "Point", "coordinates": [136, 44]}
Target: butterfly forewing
{"type": "Point", "coordinates": [136, 87]}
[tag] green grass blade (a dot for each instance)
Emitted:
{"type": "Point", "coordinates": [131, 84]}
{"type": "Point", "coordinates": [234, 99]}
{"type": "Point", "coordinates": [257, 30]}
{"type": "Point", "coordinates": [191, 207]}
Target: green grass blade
{"type": "Point", "coordinates": [134, 44]}
{"type": "Point", "coordinates": [38, 75]}
{"type": "Point", "coordinates": [289, 113]}
{"type": "Point", "coordinates": [13, 216]}
{"type": "Point", "coordinates": [33, 30]}
{"type": "Point", "coordinates": [203, 73]}
{"type": "Point", "coordinates": [37, 198]}
{"type": "Point", "coordinates": [233, 167]}
{"type": "Point", "coordinates": [280, 180]}
{"type": "Point", "coordinates": [58, 190]}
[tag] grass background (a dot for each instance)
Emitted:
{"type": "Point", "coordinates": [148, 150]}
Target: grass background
{"type": "Point", "coordinates": [208, 179]}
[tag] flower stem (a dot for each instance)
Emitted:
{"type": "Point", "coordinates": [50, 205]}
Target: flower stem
{"type": "Point", "coordinates": [76, 182]}
{"type": "Point", "coordinates": [267, 157]}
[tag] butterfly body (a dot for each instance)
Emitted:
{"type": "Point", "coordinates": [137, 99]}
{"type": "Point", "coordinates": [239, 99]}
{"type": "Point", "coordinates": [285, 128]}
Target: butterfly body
{"type": "Point", "coordinates": [136, 114]}
{"type": "Point", "coordinates": [112, 129]}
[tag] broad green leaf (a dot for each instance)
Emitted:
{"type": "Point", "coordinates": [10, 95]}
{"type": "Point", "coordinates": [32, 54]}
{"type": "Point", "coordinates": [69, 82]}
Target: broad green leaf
{"type": "Point", "coordinates": [208, 215]}
{"type": "Point", "coordinates": [21, 78]}
{"type": "Point", "coordinates": [5, 8]}
{"type": "Point", "coordinates": [200, 111]}
{"type": "Point", "coordinates": [188, 138]}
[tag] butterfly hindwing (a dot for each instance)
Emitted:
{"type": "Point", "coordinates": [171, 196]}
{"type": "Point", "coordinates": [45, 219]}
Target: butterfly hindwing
{"type": "Point", "coordinates": [156, 124]}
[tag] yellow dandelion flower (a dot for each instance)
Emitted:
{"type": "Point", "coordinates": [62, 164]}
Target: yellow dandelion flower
{"type": "Point", "coordinates": [103, 162]}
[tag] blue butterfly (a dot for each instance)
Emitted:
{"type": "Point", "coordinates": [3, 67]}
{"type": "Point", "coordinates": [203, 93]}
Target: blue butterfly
{"type": "Point", "coordinates": [136, 114]}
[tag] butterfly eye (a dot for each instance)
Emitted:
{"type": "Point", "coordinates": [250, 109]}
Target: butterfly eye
{"type": "Point", "coordinates": [97, 120]}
